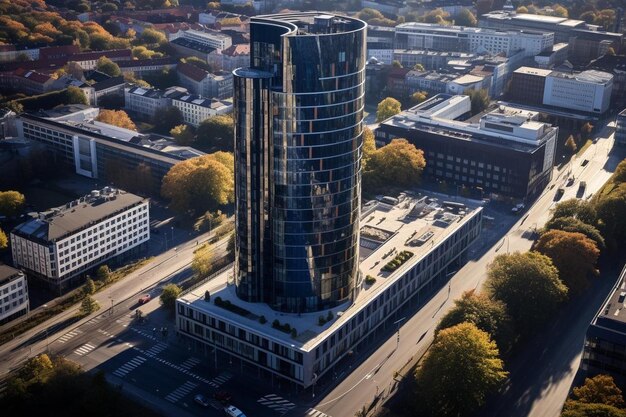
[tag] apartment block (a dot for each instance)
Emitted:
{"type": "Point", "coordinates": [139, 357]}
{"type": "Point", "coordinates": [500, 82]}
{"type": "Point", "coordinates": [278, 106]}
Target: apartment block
{"type": "Point", "coordinates": [14, 301]}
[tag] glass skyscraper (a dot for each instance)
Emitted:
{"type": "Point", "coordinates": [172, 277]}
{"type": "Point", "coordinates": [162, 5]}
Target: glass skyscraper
{"type": "Point", "coordinates": [298, 140]}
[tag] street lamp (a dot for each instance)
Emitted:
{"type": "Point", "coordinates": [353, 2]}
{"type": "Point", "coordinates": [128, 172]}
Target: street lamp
{"type": "Point", "coordinates": [172, 235]}
{"type": "Point", "coordinates": [398, 323]}
{"type": "Point", "coordinates": [47, 344]}
{"type": "Point", "coordinates": [314, 381]}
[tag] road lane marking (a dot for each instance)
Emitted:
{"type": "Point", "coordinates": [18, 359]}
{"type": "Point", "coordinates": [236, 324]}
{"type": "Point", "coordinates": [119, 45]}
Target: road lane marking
{"type": "Point", "coordinates": [84, 349]}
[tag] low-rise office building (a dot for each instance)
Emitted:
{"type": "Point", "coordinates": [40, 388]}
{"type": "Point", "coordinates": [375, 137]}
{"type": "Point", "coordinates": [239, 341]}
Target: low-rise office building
{"type": "Point", "coordinates": [212, 39]}
{"type": "Point", "coordinates": [14, 301]}
{"type": "Point", "coordinates": [63, 243]}
{"type": "Point", "coordinates": [588, 91]}
{"type": "Point", "coordinates": [145, 102]}
{"type": "Point", "coordinates": [430, 60]}
{"type": "Point", "coordinates": [616, 66]}
{"type": "Point", "coordinates": [303, 348]}
{"type": "Point", "coordinates": [605, 341]}
{"type": "Point", "coordinates": [231, 58]}
{"type": "Point", "coordinates": [556, 56]}
{"type": "Point", "coordinates": [504, 153]}
{"type": "Point", "coordinates": [195, 108]}
{"type": "Point", "coordinates": [205, 83]}
{"type": "Point", "coordinates": [99, 150]}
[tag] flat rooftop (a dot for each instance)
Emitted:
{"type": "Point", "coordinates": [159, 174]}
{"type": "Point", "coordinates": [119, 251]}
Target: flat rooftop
{"type": "Point", "coordinates": [533, 71]}
{"type": "Point", "coordinates": [614, 309]}
{"type": "Point", "coordinates": [416, 223]}
{"type": "Point", "coordinates": [8, 274]}
{"type": "Point", "coordinates": [57, 223]}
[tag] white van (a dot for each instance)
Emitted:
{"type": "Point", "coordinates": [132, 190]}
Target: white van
{"type": "Point", "coordinates": [233, 411]}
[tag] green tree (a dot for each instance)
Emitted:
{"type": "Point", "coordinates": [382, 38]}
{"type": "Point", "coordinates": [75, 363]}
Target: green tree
{"type": "Point", "coordinates": [578, 409]}
{"type": "Point", "coordinates": [368, 14]}
{"type": "Point", "coordinates": [37, 369]}
{"type": "Point", "coordinates": [76, 96]}
{"type": "Point", "coordinates": [90, 286]}
{"type": "Point", "coordinates": [418, 97]}
{"type": "Point", "coordinates": [570, 145]}
{"type": "Point", "coordinates": [152, 36]}
{"type": "Point", "coordinates": [560, 11]}
{"type": "Point", "coordinates": [183, 134]}
{"type": "Point", "coordinates": [4, 241]}
{"type": "Point", "coordinates": [103, 273]}
{"type": "Point", "coordinates": [387, 108]}
{"type": "Point", "coordinates": [202, 263]}
{"type": "Point", "coordinates": [612, 216]}
{"type": "Point", "coordinates": [579, 209]}
{"type": "Point", "coordinates": [599, 389]}
{"type": "Point", "coordinates": [571, 224]}
{"type": "Point", "coordinates": [169, 295]}
{"type": "Point", "coordinates": [526, 279]}
{"type": "Point", "coordinates": [108, 67]}
{"type": "Point", "coordinates": [167, 118]}
{"type": "Point", "coordinates": [117, 118]}
{"type": "Point", "coordinates": [11, 203]}
{"type": "Point", "coordinates": [398, 163]}
{"type": "Point", "coordinates": [141, 52]}
{"type": "Point", "coordinates": [418, 67]}
{"type": "Point", "coordinates": [485, 313]}
{"type": "Point", "coordinates": [479, 98]}
{"type": "Point", "coordinates": [216, 133]}
{"type": "Point", "coordinates": [438, 16]}
{"type": "Point", "coordinates": [88, 306]}
{"type": "Point", "coordinates": [200, 184]}
{"type": "Point", "coordinates": [460, 369]}
{"type": "Point", "coordinates": [396, 64]}
{"type": "Point", "coordinates": [573, 254]}
{"type": "Point", "coordinates": [465, 18]}
{"type": "Point", "coordinates": [369, 147]}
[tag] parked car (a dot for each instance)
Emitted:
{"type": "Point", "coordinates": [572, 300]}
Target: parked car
{"type": "Point", "coordinates": [233, 411]}
{"type": "Point", "coordinates": [518, 208]}
{"type": "Point", "coordinates": [202, 400]}
{"type": "Point", "coordinates": [223, 396]}
{"type": "Point", "coordinates": [559, 193]}
{"type": "Point", "coordinates": [582, 186]}
{"type": "Point", "coordinates": [144, 298]}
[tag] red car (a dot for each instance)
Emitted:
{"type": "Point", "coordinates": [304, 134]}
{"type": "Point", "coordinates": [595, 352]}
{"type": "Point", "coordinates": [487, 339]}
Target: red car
{"type": "Point", "coordinates": [144, 298]}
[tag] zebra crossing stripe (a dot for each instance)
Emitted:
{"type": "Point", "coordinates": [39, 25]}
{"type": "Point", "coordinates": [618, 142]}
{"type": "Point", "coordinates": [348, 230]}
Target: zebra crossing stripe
{"type": "Point", "coordinates": [316, 413]}
{"type": "Point", "coordinates": [181, 391]}
{"type": "Point", "coordinates": [84, 349]}
{"type": "Point", "coordinates": [69, 335]}
{"type": "Point", "coordinates": [129, 366]}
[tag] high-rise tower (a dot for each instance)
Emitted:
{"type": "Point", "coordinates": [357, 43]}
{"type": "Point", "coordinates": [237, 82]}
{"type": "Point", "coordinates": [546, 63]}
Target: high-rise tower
{"type": "Point", "coordinates": [298, 140]}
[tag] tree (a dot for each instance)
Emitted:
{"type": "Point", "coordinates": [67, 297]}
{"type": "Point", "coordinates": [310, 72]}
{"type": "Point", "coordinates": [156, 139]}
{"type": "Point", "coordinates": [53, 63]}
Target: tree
{"type": "Point", "coordinates": [152, 36]}
{"type": "Point", "coordinates": [76, 96]}
{"type": "Point", "coordinates": [610, 51]}
{"type": "Point", "coordinates": [167, 118]}
{"type": "Point", "coordinates": [486, 314]}
{"type": "Point", "coordinates": [37, 369]}
{"type": "Point", "coordinates": [141, 52]}
{"type": "Point", "coordinates": [368, 14]}
{"type": "Point", "coordinates": [369, 147]}
{"type": "Point", "coordinates": [418, 97]}
{"type": "Point", "coordinates": [479, 98]}
{"type": "Point", "coordinates": [103, 273]}
{"type": "Point", "coordinates": [88, 306]}
{"type": "Point", "coordinates": [579, 209]}
{"type": "Point", "coordinates": [216, 133]}
{"type": "Point", "coordinates": [387, 108]}
{"type": "Point", "coordinates": [183, 134]}
{"type": "Point", "coordinates": [11, 203]}
{"type": "Point", "coordinates": [612, 216]}
{"type": "Point", "coordinates": [117, 118]}
{"type": "Point", "coordinates": [169, 295]}
{"type": "Point", "coordinates": [560, 11]}
{"type": "Point", "coordinates": [90, 286]}
{"type": "Point", "coordinates": [587, 128]}
{"type": "Point", "coordinates": [573, 254]}
{"type": "Point", "coordinates": [578, 409]}
{"type": "Point", "coordinates": [108, 67]}
{"type": "Point", "coordinates": [202, 263]}
{"type": "Point", "coordinates": [418, 67]}
{"type": "Point", "coordinates": [571, 224]}
{"type": "Point", "coordinates": [570, 145]}
{"type": "Point", "coordinates": [396, 64]}
{"type": "Point", "coordinates": [399, 163]}
{"type": "Point", "coordinates": [459, 371]}
{"type": "Point", "coordinates": [522, 9]}
{"type": "Point", "coordinates": [599, 389]}
{"type": "Point", "coordinates": [526, 279]}
{"type": "Point", "coordinates": [199, 184]}
{"type": "Point", "coordinates": [465, 18]}
{"type": "Point", "coordinates": [438, 16]}
{"type": "Point", "coordinates": [4, 241]}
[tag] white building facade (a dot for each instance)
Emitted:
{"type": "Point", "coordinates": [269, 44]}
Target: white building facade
{"type": "Point", "coordinates": [195, 109]}
{"type": "Point", "coordinates": [215, 40]}
{"type": "Point", "coordinates": [14, 301]}
{"type": "Point", "coordinates": [588, 91]}
{"type": "Point", "coordinates": [65, 242]}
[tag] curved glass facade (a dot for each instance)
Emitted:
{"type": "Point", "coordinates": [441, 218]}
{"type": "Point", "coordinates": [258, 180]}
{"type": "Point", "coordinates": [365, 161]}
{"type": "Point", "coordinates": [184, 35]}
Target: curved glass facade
{"type": "Point", "coordinates": [302, 161]}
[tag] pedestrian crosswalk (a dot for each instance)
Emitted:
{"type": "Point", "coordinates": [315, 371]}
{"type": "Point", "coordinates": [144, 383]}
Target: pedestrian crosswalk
{"type": "Point", "coordinates": [95, 320]}
{"type": "Point", "coordinates": [84, 349]}
{"type": "Point", "coordinates": [276, 403]}
{"type": "Point", "coordinates": [156, 349]}
{"type": "Point", "coordinates": [220, 379]}
{"type": "Point", "coordinates": [129, 366]}
{"type": "Point", "coordinates": [181, 391]}
{"type": "Point", "coordinates": [190, 363]}
{"type": "Point", "coordinates": [68, 336]}
{"type": "Point", "coordinates": [312, 412]}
